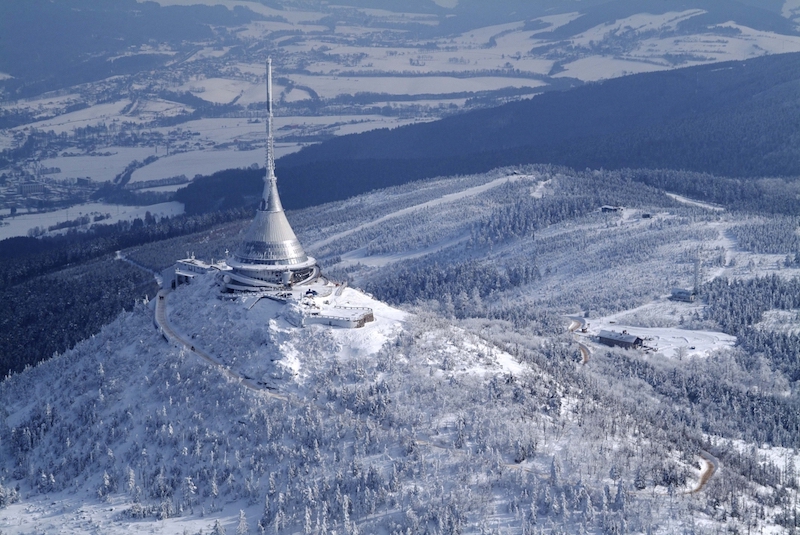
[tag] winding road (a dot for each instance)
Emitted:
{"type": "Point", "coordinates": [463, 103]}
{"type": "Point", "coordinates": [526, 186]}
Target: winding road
{"type": "Point", "coordinates": [577, 322]}
{"type": "Point", "coordinates": [162, 322]}
{"type": "Point", "coordinates": [585, 352]}
{"type": "Point", "coordinates": [707, 472]}
{"type": "Point", "coordinates": [711, 463]}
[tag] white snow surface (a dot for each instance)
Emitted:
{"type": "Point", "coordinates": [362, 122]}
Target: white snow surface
{"type": "Point", "coordinates": [227, 329]}
{"type": "Point", "coordinates": [701, 204]}
{"type": "Point", "coordinates": [464, 415]}
{"type": "Point", "coordinates": [596, 68]}
{"type": "Point", "coordinates": [676, 343]}
{"type": "Point", "coordinates": [331, 86]}
{"type": "Point", "coordinates": [639, 23]}
{"type": "Point", "coordinates": [20, 224]}
{"type": "Point", "coordinates": [91, 116]}
{"type": "Point", "coordinates": [101, 167]}
{"type": "Point", "coordinates": [791, 9]}
{"type": "Point", "coordinates": [198, 163]}
{"type": "Point", "coordinates": [223, 90]}
{"type": "Point", "coordinates": [658, 324]}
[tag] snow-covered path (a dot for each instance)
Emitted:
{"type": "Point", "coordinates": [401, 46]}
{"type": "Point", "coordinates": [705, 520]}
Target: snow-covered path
{"type": "Point", "coordinates": [577, 322]}
{"type": "Point", "coordinates": [162, 322]}
{"type": "Point", "coordinates": [124, 258]}
{"type": "Point", "coordinates": [586, 353]}
{"type": "Point", "coordinates": [450, 197]}
{"type": "Point", "coordinates": [711, 464]}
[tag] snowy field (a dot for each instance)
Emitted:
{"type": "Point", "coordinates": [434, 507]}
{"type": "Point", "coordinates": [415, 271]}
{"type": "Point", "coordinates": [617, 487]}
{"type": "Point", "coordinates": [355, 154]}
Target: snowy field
{"type": "Point", "coordinates": [103, 167]}
{"type": "Point", "coordinates": [782, 321]}
{"type": "Point", "coordinates": [441, 355]}
{"type": "Point", "coordinates": [638, 24]}
{"type": "Point", "coordinates": [467, 406]}
{"type": "Point", "coordinates": [92, 116]}
{"type": "Point", "coordinates": [791, 9]}
{"type": "Point", "coordinates": [673, 343]}
{"type": "Point", "coordinates": [198, 163]}
{"type": "Point", "coordinates": [293, 16]}
{"type": "Point", "coordinates": [331, 86]}
{"type": "Point", "coordinates": [223, 91]}
{"type": "Point", "coordinates": [684, 200]}
{"type": "Point", "coordinates": [46, 104]}
{"type": "Point", "coordinates": [596, 68]}
{"type": "Point", "coordinates": [325, 63]}
{"type": "Point", "coordinates": [212, 132]}
{"type": "Point", "coordinates": [20, 224]}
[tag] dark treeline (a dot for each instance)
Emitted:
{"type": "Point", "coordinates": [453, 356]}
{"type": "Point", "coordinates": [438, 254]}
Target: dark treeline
{"type": "Point", "coordinates": [202, 108]}
{"type": "Point", "coordinates": [22, 258]}
{"type": "Point", "coordinates": [52, 313]}
{"type": "Point", "coordinates": [314, 185]}
{"type": "Point", "coordinates": [338, 180]}
{"type": "Point", "coordinates": [224, 190]}
{"type": "Point", "coordinates": [527, 215]}
{"type": "Point", "coordinates": [117, 194]}
{"type": "Point", "coordinates": [766, 419]}
{"type": "Point", "coordinates": [777, 236]}
{"type": "Point", "coordinates": [734, 119]}
{"type": "Point", "coordinates": [773, 196]}
{"type": "Point", "coordinates": [737, 304]}
{"type": "Point", "coordinates": [730, 409]}
{"type": "Point", "coordinates": [458, 287]}
{"type": "Point", "coordinates": [414, 281]}
{"type": "Point", "coordinates": [59, 290]}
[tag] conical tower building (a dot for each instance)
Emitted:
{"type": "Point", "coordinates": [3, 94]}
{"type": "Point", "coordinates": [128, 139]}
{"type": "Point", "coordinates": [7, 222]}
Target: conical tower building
{"type": "Point", "coordinates": [270, 256]}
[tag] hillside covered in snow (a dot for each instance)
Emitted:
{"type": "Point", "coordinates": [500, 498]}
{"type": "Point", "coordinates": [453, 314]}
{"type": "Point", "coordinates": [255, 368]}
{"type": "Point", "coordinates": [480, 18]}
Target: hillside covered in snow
{"type": "Point", "coordinates": [474, 403]}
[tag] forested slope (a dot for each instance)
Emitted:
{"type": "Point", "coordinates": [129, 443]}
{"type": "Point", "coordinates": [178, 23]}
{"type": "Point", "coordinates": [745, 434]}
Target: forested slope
{"type": "Point", "coordinates": [737, 119]}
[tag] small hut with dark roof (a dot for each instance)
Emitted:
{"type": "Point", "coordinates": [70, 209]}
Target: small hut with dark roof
{"type": "Point", "coordinates": [623, 339]}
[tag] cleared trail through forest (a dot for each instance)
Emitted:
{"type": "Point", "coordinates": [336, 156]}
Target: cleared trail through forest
{"type": "Point", "coordinates": [450, 197]}
{"type": "Point", "coordinates": [121, 256]}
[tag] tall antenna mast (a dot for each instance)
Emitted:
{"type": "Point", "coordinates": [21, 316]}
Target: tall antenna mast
{"type": "Point", "coordinates": [270, 201]}
{"type": "Point", "coordinates": [270, 139]}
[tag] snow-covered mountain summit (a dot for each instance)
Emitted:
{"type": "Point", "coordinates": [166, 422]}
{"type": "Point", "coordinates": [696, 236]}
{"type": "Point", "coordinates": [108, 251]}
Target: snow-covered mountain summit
{"type": "Point", "coordinates": [128, 429]}
{"type": "Point", "coordinates": [276, 341]}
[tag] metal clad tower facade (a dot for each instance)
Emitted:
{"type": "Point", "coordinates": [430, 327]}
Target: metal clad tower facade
{"type": "Point", "coordinates": [270, 254]}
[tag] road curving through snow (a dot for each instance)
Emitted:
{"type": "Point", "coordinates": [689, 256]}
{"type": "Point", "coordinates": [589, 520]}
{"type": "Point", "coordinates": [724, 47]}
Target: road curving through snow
{"type": "Point", "coordinates": [162, 322]}
{"type": "Point", "coordinates": [707, 472]}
